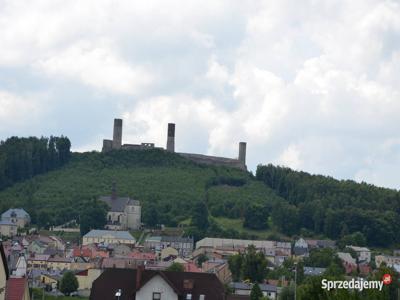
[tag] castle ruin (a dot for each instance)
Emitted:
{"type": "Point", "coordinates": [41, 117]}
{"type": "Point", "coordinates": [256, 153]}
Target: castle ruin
{"type": "Point", "coordinates": [116, 143]}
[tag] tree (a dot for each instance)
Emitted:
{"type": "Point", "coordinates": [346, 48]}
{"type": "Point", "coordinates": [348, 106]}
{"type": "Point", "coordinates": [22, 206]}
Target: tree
{"type": "Point", "coordinates": [69, 283]}
{"type": "Point", "coordinates": [254, 265]}
{"type": "Point", "coordinates": [256, 293]}
{"type": "Point", "coordinates": [256, 217]}
{"type": "Point", "coordinates": [235, 263]}
{"type": "Point", "coordinates": [93, 216]}
{"type": "Point", "coordinates": [150, 214]}
{"type": "Point", "coordinates": [175, 267]}
{"type": "Point", "coordinates": [200, 216]}
{"type": "Point", "coordinates": [201, 259]}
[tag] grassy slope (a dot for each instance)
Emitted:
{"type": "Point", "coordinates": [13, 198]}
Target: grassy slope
{"type": "Point", "coordinates": [174, 183]}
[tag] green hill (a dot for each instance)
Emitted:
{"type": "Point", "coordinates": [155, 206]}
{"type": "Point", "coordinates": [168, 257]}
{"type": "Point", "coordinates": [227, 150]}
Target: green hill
{"type": "Point", "coordinates": [157, 178]}
{"type": "Point", "coordinates": [277, 202]}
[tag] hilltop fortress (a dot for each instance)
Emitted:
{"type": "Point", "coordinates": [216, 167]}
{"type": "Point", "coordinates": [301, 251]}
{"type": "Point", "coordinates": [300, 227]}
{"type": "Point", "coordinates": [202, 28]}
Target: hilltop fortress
{"type": "Point", "coordinates": [116, 144]}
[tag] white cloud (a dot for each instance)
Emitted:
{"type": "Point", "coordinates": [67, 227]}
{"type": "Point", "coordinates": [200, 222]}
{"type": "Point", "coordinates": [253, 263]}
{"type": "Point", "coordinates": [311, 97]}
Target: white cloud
{"type": "Point", "coordinates": [97, 65]}
{"type": "Point", "coordinates": [311, 84]}
{"type": "Point", "coordinates": [15, 110]}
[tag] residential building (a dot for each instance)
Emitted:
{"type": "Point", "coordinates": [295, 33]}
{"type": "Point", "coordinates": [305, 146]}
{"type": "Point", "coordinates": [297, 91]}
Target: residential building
{"type": "Point", "coordinates": [59, 263]}
{"type": "Point", "coordinates": [8, 229]}
{"type": "Point", "coordinates": [86, 278]}
{"type": "Point", "coordinates": [4, 273]}
{"type": "Point", "coordinates": [21, 267]}
{"type": "Point", "coordinates": [184, 245]}
{"type": "Point", "coordinates": [17, 216]}
{"type": "Point", "coordinates": [220, 268]}
{"type": "Point", "coordinates": [108, 237]}
{"type": "Point", "coordinates": [208, 245]}
{"type": "Point", "coordinates": [244, 289]}
{"type": "Point", "coordinates": [320, 244]}
{"type": "Point", "coordinates": [300, 248]}
{"type": "Point", "coordinates": [37, 247]}
{"type": "Point", "coordinates": [143, 284]}
{"type": "Point", "coordinates": [17, 289]}
{"type": "Point", "coordinates": [363, 254]}
{"type": "Point", "coordinates": [349, 263]}
{"type": "Point", "coordinates": [38, 261]}
{"type": "Point", "coordinates": [387, 259]}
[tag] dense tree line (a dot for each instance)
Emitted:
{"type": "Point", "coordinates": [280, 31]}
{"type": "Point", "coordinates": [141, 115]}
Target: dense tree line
{"type": "Point", "coordinates": [23, 158]}
{"type": "Point", "coordinates": [337, 209]}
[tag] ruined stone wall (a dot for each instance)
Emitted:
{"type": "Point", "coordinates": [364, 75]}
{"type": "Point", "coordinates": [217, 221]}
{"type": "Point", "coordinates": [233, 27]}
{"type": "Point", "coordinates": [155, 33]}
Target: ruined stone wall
{"type": "Point", "coordinates": [214, 160]}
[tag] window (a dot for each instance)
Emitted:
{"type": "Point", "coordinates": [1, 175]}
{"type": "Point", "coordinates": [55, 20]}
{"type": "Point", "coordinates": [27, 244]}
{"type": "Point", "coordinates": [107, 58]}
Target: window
{"type": "Point", "coordinates": [156, 296]}
{"type": "Point", "coordinates": [202, 297]}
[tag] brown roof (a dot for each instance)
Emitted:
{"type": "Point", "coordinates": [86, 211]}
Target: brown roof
{"type": "Point", "coordinates": [111, 280]}
{"type": "Point", "coordinates": [15, 288]}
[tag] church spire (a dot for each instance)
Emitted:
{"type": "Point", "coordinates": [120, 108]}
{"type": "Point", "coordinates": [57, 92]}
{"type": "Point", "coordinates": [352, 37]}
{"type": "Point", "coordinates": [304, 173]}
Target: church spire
{"type": "Point", "coordinates": [114, 191]}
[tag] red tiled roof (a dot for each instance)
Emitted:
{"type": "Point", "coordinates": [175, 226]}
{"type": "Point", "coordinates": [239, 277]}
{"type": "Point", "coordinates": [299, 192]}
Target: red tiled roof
{"type": "Point", "coordinates": [85, 252]}
{"type": "Point", "coordinates": [15, 288]}
{"type": "Point", "coordinates": [191, 267]}
{"type": "Point", "coordinates": [143, 255]}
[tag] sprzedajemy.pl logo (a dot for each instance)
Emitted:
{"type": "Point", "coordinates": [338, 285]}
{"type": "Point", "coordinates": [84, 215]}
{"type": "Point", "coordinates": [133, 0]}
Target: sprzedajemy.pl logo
{"type": "Point", "coordinates": [356, 284]}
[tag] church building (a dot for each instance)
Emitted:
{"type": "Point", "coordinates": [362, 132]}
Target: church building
{"type": "Point", "coordinates": [124, 212]}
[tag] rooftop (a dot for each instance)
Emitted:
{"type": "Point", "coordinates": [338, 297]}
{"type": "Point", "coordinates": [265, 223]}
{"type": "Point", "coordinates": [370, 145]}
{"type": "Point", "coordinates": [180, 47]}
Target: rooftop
{"type": "Point", "coordinates": [18, 212]}
{"type": "Point", "coordinates": [110, 280]}
{"type": "Point", "coordinates": [118, 204]}
{"type": "Point", "coordinates": [124, 235]}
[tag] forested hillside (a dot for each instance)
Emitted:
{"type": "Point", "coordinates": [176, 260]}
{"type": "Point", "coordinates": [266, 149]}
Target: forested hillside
{"type": "Point", "coordinates": [356, 213]}
{"type": "Point", "coordinates": [168, 186]}
{"type": "Point", "coordinates": [215, 201]}
{"type": "Point", "coordinates": [23, 158]}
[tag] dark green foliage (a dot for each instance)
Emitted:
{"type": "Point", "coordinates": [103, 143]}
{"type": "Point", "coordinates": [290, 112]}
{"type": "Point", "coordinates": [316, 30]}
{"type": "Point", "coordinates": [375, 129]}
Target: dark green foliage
{"type": "Point", "coordinates": [256, 217]}
{"type": "Point", "coordinates": [23, 158]}
{"type": "Point", "coordinates": [235, 263]}
{"type": "Point", "coordinates": [249, 266]}
{"type": "Point", "coordinates": [200, 216]}
{"type": "Point", "coordinates": [201, 259]}
{"type": "Point", "coordinates": [175, 267]}
{"type": "Point", "coordinates": [68, 283]}
{"type": "Point", "coordinates": [337, 209]}
{"type": "Point", "coordinates": [355, 239]}
{"type": "Point", "coordinates": [256, 293]}
{"type": "Point", "coordinates": [167, 185]}
{"type": "Point", "coordinates": [92, 216]}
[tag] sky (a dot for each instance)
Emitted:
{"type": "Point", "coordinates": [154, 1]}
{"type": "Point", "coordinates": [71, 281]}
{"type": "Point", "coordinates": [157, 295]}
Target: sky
{"type": "Point", "coordinates": [312, 85]}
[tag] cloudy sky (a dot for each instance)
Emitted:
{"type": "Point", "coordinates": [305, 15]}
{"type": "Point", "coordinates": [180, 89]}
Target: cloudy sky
{"type": "Point", "coordinates": [314, 85]}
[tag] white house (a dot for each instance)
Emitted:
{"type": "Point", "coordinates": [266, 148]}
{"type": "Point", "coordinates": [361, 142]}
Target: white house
{"type": "Point", "coordinates": [363, 254]}
{"type": "Point", "coordinates": [108, 237]}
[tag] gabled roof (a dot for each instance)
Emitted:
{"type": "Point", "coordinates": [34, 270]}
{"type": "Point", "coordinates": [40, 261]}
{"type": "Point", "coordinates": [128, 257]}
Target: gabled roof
{"type": "Point", "coordinates": [118, 204]}
{"type": "Point", "coordinates": [18, 212]}
{"type": "Point", "coordinates": [15, 288]}
{"type": "Point", "coordinates": [111, 280]}
{"type": "Point", "coordinates": [125, 235]}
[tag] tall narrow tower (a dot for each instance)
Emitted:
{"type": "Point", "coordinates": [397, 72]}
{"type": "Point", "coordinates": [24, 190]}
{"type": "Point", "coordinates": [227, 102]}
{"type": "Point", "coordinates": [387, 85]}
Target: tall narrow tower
{"type": "Point", "coordinates": [171, 137]}
{"type": "Point", "coordinates": [117, 134]}
{"type": "Point", "coordinates": [242, 153]}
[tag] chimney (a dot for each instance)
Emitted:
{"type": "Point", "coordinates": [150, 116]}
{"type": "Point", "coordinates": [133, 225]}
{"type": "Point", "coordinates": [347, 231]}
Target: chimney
{"type": "Point", "coordinates": [139, 273]}
{"type": "Point", "coordinates": [171, 137]}
{"type": "Point", "coordinates": [242, 153]}
{"type": "Point", "coordinates": [117, 134]}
